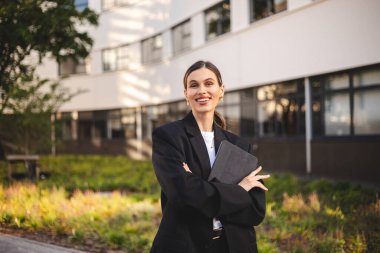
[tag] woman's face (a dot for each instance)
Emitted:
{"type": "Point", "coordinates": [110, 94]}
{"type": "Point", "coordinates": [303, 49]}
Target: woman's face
{"type": "Point", "coordinates": [203, 91]}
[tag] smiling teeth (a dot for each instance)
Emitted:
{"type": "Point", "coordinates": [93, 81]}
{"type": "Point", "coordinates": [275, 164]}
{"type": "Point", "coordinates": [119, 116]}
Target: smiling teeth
{"type": "Point", "coordinates": [202, 99]}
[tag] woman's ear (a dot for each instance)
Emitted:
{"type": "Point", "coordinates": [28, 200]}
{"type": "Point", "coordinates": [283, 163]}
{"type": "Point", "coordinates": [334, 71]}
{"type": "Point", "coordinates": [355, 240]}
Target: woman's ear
{"type": "Point", "coordinates": [222, 90]}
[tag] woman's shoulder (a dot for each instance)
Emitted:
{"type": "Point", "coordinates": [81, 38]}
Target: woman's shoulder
{"type": "Point", "coordinates": [171, 128]}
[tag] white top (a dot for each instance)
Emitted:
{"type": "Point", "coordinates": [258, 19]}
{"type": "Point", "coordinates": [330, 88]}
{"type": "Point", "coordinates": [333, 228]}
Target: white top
{"type": "Point", "coordinates": [209, 139]}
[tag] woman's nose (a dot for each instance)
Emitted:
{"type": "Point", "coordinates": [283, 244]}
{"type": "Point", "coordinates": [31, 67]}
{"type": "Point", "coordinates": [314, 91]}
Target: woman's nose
{"type": "Point", "coordinates": [202, 89]}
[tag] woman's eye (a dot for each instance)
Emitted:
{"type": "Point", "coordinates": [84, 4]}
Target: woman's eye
{"type": "Point", "coordinates": [209, 83]}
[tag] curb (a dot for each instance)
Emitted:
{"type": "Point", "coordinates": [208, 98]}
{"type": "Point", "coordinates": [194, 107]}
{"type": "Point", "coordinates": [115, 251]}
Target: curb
{"type": "Point", "coordinates": [14, 244]}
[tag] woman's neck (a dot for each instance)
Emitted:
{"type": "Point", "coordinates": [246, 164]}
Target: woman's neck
{"type": "Point", "coordinates": [204, 121]}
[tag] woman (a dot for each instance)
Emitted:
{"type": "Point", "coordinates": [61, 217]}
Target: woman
{"type": "Point", "coordinates": [201, 216]}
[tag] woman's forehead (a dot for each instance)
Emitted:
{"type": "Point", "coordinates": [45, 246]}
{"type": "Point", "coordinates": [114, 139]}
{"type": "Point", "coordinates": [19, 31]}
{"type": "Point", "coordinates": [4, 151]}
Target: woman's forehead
{"type": "Point", "coordinates": [201, 75]}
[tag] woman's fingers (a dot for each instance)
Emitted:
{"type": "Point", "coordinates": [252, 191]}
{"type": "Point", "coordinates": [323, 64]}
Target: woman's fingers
{"type": "Point", "coordinates": [262, 176]}
{"type": "Point", "coordinates": [260, 185]}
{"type": "Point", "coordinates": [256, 171]}
{"type": "Point", "coordinates": [252, 180]}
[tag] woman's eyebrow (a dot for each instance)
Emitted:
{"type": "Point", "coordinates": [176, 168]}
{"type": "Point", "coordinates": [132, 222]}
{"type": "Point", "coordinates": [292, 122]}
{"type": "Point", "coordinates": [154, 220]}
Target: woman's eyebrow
{"type": "Point", "coordinates": [207, 79]}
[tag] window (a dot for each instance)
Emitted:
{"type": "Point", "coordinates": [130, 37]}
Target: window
{"type": "Point", "coordinates": [248, 113]}
{"type": "Point", "coordinates": [218, 20]}
{"type": "Point", "coordinates": [109, 59]}
{"type": "Point", "coordinates": [346, 103]}
{"type": "Point", "coordinates": [260, 9]}
{"type": "Point", "coordinates": [116, 58]}
{"type": "Point", "coordinates": [128, 120]}
{"type": "Point", "coordinates": [281, 109]}
{"type": "Point", "coordinates": [71, 67]}
{"type": "Point", "coordinates": [80, 5]}
{"type": "Point", "coordinates": [181, 37]}
{"type": "Point", "coordinates": [114, 126]}
{"type": "Point", "coordinates": [152, 49]}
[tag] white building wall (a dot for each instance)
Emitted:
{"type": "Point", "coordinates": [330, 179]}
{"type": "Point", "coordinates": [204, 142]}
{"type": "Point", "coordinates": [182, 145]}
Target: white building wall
{"type": "Point", "coordinates": [309, 38]}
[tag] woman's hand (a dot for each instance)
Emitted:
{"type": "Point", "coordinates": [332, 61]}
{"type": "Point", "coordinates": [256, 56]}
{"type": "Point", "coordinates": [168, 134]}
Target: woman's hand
{"type": "Point", "coordinates": [186, 167]}
{"type": "Point", "coordinates": [252, 180]}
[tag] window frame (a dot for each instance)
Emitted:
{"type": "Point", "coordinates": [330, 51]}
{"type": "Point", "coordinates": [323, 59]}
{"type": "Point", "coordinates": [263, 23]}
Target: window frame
{"type": "Point", "coordinates": [151, 41]}
{"type": "Point", "coordinates": [219, 26]}
{"type": "Point", "coordinates": [298, 96]}
{"type": "Point", "coordinates": [269, 7]}
{"type": "Point", "coordinates": [74, 67]}
{"type": "Point", "coordinates": [118, 58]}
{"type": "Point", "coordinates": [181, 48]}
{"type": "Point", "coordinates": [351, 90]}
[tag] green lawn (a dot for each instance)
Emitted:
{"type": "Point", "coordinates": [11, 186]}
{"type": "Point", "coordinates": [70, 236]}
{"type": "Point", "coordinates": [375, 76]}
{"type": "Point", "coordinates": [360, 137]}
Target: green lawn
{"type": "Point", "coordinates": [302, 215]}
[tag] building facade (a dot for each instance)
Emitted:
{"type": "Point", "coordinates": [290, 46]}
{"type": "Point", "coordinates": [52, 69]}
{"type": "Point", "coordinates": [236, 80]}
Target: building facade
{"type": "Point", "coordinates": [302, 79]}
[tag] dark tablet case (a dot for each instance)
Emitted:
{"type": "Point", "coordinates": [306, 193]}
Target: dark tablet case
{"type": "Point", "coordinates": [232, 164]}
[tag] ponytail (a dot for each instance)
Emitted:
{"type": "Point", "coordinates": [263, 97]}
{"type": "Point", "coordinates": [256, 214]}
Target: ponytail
{"type": "Point", "coordinates": [219, 120]}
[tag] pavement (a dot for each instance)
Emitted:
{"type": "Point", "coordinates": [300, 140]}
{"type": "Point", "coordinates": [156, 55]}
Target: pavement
{"type": "Point", "coordinates": [13, 244]}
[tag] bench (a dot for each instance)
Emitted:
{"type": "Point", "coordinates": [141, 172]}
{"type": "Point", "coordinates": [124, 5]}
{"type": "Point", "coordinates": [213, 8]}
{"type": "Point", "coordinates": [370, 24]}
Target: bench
{"type": "Point", "coordinates": [31, 163]}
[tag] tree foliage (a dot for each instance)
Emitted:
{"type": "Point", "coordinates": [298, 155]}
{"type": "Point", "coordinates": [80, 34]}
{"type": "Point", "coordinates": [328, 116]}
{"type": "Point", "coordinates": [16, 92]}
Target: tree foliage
{"type": "Point", "coordinates": [29, 30]}
{"type": "Point", "coordinates": [41, 28]}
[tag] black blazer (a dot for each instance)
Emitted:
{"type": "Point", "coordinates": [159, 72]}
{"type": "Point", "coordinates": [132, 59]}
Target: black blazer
{"type": "Point", "coordinates": [189, 201]}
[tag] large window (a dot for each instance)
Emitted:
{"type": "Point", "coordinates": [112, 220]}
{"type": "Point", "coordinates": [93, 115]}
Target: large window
{"type": "Point", "coordinates": [218, 20]}
{"type": "Point", "coordinates": [152, 50]}
{"type": "Point", "coordinates": [230, 108]}
{"type": "Point", "coordinates": [260, 9]}
{"type": "Point", "coordinates": [347, 103]}
{"type": "Point", "coordinates": [281, 109]}
{"type": "Point", "coordinates": [71, 67]}
{"type": "Point", "coordinates": [181, 37]}
{"type": "Point", "coordinates": [116, 58]}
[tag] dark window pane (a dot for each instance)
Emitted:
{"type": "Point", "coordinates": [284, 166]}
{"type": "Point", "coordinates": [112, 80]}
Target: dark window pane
{"type": "Point", "coordinates": [263, 8]}
{"type": "Point", "coordinates": [217, 20]}
{"type": "Point", "coordinates": [317, 116]}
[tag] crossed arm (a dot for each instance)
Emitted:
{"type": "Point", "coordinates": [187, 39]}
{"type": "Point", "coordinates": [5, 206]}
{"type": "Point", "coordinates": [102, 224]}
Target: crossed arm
{"type": "Point", "coordinates": [242, 204]}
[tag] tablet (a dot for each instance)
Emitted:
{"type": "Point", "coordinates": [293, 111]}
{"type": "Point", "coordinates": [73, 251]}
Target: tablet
{"type": "Point", "coordinates": [232, 164]}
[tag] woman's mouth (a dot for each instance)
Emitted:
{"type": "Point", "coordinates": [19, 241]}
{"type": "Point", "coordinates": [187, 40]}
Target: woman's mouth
{"type": "Point", "coordinates": [202, 100]}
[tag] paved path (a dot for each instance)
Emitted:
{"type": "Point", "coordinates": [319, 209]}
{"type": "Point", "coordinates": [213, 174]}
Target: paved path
{"type": "Point", "coordinates": [13, 244]}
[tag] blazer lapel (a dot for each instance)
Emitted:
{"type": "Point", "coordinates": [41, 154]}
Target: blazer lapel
{"type": "Point", "coordinates": [197, 143]}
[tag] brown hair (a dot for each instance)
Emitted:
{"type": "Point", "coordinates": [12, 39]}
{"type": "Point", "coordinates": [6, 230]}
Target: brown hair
{"type": "Point", "coordinates": [218, 118]}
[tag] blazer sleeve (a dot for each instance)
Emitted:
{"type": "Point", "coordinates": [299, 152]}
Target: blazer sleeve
{"type": "Point", "coordinates": [253, 214]}
{"type": "Point", "coordinates": [186, 189]}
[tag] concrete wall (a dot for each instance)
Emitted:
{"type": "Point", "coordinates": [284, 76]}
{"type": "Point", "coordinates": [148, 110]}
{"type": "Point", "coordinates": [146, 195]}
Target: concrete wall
{"type": "Point", "coordinates": [309, 38]}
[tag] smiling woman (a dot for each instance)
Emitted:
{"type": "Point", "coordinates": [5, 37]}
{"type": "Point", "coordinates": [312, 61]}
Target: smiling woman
{"type": "Point", "coordinates": [203, 90]}
{"type": "Point", "coordinates": [201, 215]}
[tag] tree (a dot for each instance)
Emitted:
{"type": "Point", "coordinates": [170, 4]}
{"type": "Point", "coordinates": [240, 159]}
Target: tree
{"type": "Point", "coordinates": [33, 102]}
{"type": "Point", "coordinates": [40, 27]}
{"type": "Point", "coordinates": [36, 28]}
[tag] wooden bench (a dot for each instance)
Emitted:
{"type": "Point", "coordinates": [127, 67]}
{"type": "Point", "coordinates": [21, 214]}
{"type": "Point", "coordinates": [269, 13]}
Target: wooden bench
{"type": "Point", "coordinates": [31, 163]}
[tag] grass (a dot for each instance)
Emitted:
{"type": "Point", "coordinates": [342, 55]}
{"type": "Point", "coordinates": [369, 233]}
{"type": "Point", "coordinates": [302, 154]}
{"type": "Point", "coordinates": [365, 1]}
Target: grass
{"type": "Point", "coordinates": [302, 215]}
{"type": "Point", "coordinates": [108, 221]}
